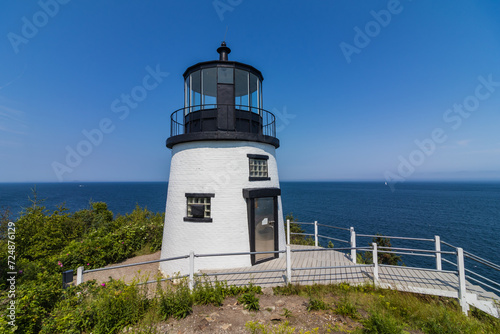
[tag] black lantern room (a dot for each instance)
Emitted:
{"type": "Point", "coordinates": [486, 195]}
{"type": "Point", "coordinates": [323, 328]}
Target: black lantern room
{"type": "Point", "coordinates": [222, 101]}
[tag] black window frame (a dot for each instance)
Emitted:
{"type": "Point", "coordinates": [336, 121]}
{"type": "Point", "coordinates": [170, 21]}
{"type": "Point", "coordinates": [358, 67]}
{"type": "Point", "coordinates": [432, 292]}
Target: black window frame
{"type": "Point", "coordinates": [258, 157]}
{"type": "Point", "coordinates": [199, 195]}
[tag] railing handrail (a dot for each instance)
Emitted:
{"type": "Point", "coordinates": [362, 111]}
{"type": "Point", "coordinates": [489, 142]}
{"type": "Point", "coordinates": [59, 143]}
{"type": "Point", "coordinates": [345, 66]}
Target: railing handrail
{"type": "Point", "coordinates": [374, 249]}
{"type": "Point", "coordinates": [393, 237]}
{"type": "Point", "coordinates": [177, 118]}
{"type": "Point", "coordinates": [136, 264]}
{"type": "Point", "coordinates": [335, 227]}
{"type": "Point", "coordinates": [238, 253]}
{"type": "Point", "coordinates": [416, 250]}
{"type": "Point", "coordinates": [482, 261]}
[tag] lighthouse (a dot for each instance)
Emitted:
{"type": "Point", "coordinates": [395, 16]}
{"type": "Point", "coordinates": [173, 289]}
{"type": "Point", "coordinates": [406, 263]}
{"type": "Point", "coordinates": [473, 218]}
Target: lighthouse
{"type": "Point", "coordinates": [223, 191]}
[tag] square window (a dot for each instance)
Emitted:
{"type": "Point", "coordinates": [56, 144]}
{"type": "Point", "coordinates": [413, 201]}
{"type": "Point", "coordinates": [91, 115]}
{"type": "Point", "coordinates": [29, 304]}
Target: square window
{"type": "Point", "coordinates": [258, 167]}
{"type": "Point", "coordinates": [198, 207]}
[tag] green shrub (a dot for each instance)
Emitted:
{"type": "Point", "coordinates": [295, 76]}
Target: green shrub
{"type": "Point", "coordinates": [250, 301]}
{"type": "Point", "coordinates": [316, 305]}
{"type": "Point", "coordinates": [207, 292]}
{"type": "Point", "coordinates": [176, 301]}
{"type": "Point", "coordinates": [346, 308]}
{"type": "Point", "coordinates": [382, 324]}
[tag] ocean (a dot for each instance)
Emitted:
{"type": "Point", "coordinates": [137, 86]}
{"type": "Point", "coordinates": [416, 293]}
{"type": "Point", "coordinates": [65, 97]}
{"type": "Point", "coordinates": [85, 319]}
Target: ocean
{"type": "Point", "coordinates": [463, 214]}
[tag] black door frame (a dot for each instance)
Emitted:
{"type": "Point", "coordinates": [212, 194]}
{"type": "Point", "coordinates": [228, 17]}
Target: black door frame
{"type": "Point", "coordinates": [251, 195]}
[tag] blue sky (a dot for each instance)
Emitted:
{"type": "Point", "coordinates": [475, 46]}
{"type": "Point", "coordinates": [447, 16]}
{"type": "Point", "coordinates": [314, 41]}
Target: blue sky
{"type": "Point", "coordinates": [363, 90]}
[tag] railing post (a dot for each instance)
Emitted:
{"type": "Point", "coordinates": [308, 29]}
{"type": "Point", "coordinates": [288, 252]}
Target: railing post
{"type": "Point", "coordinates": [191, 270]}
{"type": "Point", "coordinates": [79, 275]}
{"type": "Point", "coordinates": [288, 231]}
{"type": "Point", "coordinates": [316, 233]}
{"type": "Point", "coordinates": [353, 245]}
{"type": "Point", "coordinates": [437, 241]}
{"type": "Point", "coordinates": [461, 281]}
{"type": "Point", "coordinates": [288, 265]}
{"type": "Point", "coordinates": [375, 264]}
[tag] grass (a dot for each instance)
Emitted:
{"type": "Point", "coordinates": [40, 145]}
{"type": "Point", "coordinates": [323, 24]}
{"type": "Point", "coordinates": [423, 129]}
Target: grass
{"type": "Point", "coordinates": [116, 307]}
{"type": "Point", "coordinates": [388, 311]}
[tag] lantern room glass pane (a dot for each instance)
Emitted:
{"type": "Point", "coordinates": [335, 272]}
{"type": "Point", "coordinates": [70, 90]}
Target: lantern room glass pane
{"type": "Point", "coordinates": [196, 90]}
{"type": "Point", "coordinates": [225, 75]}
{"type": "Point", "coordinates": [254, 93]}
{"type": "Point", "coordinates": [209, 87]}
{"type": "Point", "coordinates": [241, 89]}
{"type": "Point", "coordinates": [187, 94]}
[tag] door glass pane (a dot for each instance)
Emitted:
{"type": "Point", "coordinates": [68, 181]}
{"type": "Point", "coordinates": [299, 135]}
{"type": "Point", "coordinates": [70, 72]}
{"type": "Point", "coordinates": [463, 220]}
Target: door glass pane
{"type": "Point", "coordinates": [264, 227]}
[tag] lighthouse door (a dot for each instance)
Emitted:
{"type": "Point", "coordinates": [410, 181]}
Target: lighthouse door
{"type": "Point", "coordinates": [263, 228]}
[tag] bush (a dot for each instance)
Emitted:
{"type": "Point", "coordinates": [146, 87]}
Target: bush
{"type": "Point", "coordinates": [383, 258]}
{"type": "Point", "coordinates": [382, 324]}
{"type": "Point", "coordinates": [176, 301]}
{"type": "Point", "coordinates": [346, 308]}
{"type": "Point", "coordinates": [316, 305]}
{"type": "Point", "coordinates": [250, 301]}
{"type": "Point", "coordinates": [207, 292]}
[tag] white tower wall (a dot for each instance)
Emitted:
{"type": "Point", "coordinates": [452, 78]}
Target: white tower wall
{"type": "Point", "coordinates": [221, 168]}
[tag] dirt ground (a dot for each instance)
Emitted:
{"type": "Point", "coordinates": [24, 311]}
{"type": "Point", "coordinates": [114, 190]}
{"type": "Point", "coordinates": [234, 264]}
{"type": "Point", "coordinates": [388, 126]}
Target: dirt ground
{"type": "Point", "coordinates": [128, 274]}
{"type": "Point", "coordinates": [231, 317]}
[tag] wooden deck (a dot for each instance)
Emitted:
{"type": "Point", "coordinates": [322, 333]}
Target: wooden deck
{"type": "Point", "coordinates": [344, 270]}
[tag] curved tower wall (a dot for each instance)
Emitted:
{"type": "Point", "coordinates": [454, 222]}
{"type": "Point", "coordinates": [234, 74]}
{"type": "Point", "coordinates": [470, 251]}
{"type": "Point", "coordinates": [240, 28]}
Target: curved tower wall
{"type": "Point", "coordinates": [222, 169]}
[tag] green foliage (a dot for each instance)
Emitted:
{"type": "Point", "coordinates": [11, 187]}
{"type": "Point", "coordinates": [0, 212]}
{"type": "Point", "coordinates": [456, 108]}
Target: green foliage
{"type": "Point", "coordinates": [250, 301]}
{"type": "Point", "coordinates": [35, 300]}
{"type": "Point", "coordinates": [346, 308]}
{"type": "Point", "coordinates": [286, 313]}
{"type": "Point", "coordinates": [97, 308]}
{"type": "Point", "coordinates": [288, 290]}
{"type": "Point", "coordinates": [208, 292]}
{"type": "Point", "coordinates": [382, 324]}
{"type": "Point", "coordinates": [315, 304]}
{"type": "Point", "coordinates": [176, 301]}
{"type": "Point", "coordinates": [255, 328]}
{"type": "Point", "coordinates": [383, 258]}
{"type": "Point", "coordinates": [50, 242]}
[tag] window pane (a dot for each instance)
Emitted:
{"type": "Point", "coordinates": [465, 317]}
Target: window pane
{"type": "Point", "coordinates": [196, 89]}
{"type": "Point", "coordinates": [258, 168]}
{"type": "Point", "coordinates": [209, 87]}
{"type": "Point", "coordinates": [187, 92]}
{"type": "Point", "coordinates": [254, 88]}
{"type": "Point", "coordinates": [196, 204]}
{"type": "Point", "coordinates": [225, 75]}
{"type": "Point", "coordinates": [241, 89]}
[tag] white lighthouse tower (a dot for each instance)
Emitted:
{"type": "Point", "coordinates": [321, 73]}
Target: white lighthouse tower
{"type": "Point", "coordinates": [223, 190]}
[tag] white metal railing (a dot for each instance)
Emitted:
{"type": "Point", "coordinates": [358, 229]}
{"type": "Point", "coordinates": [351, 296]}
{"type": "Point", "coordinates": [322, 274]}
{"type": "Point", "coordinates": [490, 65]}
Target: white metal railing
{"type": "Point", "coordinates": [437, 253]}
{"type": "Point", "coordinates": [458, 253]}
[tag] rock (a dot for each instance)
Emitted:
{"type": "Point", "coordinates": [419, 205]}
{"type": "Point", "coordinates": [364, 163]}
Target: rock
{"type": "Point", "coordinates": [225, 326]}
{"type": "Point", "coordinates": [268, 291]}
{"type": "Point", "coordinates": [279, 303]}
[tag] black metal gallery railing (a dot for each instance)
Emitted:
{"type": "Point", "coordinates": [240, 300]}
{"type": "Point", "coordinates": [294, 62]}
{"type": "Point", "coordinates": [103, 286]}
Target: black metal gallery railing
{"type": "Point", "coordinates": [222, 117]}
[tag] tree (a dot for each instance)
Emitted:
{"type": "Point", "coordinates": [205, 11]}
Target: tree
{"type": "Point", "coordinates": [295, 228]}
{"type": "Point", "coordinates": [383, 258]}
